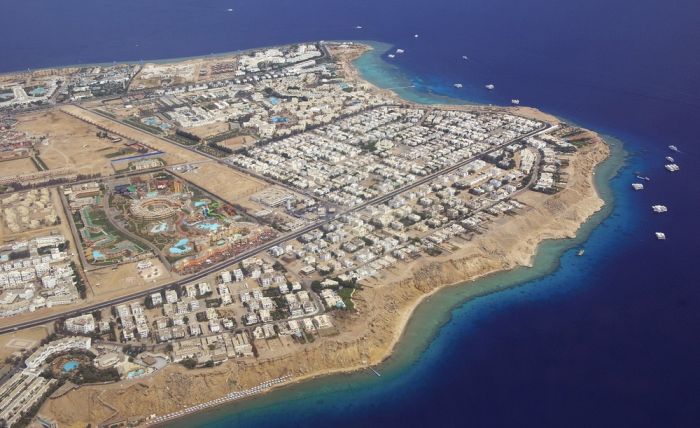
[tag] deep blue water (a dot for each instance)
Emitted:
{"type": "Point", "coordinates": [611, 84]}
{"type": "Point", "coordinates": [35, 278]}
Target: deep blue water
{"type": "Point", "coordinates": [609, 339]}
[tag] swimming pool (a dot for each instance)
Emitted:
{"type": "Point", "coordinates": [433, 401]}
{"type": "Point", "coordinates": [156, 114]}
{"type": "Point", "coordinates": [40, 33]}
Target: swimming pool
{"type": "Point", "coordinates": [279, 119]}
{"type": "Point", "coordinates": [181, 247]}
{"type": "Point", "coordinates": [135, 373]}
{"type": "Point", "coordinates": [98, 255]}
{"type": "Point", "coordinates": [211, 227]}
{"type": "Point", "coordinates": [70, 366]}
{"type": "Point", "coordinates": [200, 203]}
{"type": "Point", "coordinates": [38, 91]}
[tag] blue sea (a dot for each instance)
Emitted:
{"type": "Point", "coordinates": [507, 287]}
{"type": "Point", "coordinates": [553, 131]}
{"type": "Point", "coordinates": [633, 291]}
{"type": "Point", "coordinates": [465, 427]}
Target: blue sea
{"type": "Point", "coordinates": [609, 339]}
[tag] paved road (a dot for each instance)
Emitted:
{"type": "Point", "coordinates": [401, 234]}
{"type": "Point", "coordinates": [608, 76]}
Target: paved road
{"type": "Point", "coordinates": [249, 253]}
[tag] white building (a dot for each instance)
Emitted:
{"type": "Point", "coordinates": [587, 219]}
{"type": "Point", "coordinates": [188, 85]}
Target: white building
{"type": "Point", "coordinates": [83, 324]}
{"type": "Point", "coordinates": [56, 347]}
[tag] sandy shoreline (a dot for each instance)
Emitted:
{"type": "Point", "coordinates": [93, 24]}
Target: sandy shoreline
{"type": "Point", "coordinates": [384, 307]}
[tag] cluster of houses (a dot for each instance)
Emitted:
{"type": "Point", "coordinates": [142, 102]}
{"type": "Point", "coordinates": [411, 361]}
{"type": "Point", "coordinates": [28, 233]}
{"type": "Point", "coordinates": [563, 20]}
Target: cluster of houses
{"type": "Point", "coordinates": [36, 274]}
{"type": "Point", "coordinates": [259, 60]}
{"type": "Point", "coordinates": [133, 321]}
{"type": "Point", "coordinates": [381, 149]}
{"type": "Point", "coordinates": [263, 296]}
{"type": "Point", "coordinates": [289, 105]}
{"type": "Point", "coordinates": [550, 147]}
{"type": "Point", "coordinates": [359, 245]}
{"type": "Point", "coordinates": [15, 144]}
{"type": "Point", "coordinates": [97, 81]}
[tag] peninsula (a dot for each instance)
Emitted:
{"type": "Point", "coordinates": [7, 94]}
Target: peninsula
{"type": "Point", "coordinates": [178, 235]}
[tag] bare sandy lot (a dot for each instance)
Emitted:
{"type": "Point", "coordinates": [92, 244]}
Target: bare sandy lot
{"type": "Point", "coordinates": [236, 142]}
{"type": "Point", "coordinates": [111, 282]}
{"type": "Point", "coordinates": [224, 182]}
{"type": "Point", "coordinates": [173, 154]}
{"type": "Point", "coordinates": [178, 73]}
{"type": "Point", "coordinates": [17, 167]}
{"type": "Point", "coordinates": [70, 142]}
{"type": "Point", "coordinates": [21, 340]}
{"type": "Point", "coordinates": [205, 131]}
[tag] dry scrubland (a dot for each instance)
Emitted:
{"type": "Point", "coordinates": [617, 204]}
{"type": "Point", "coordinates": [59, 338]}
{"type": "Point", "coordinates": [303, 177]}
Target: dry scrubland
{"type": "Point", "coordinates": [70, 142]}
{"type": "Point", "coordinates": [224, 182]}
{"type": "Point", "coordinates": [173, 153]}
{"type": "Point", "coordinates": [111, 282]}
{"type": "Point", "coordinates": [17, 167]}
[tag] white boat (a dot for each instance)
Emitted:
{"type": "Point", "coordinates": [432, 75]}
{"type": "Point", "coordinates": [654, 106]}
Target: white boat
{"type": "Point", "coordinates": [672, 147]}
{"type": "Point", "coordinates": [490, 86]}
{"type": "Point", "coordinates": [670, 159]}
{"type": "Point", "coordinates": [457, 85]}
{"type": "Point", "coordinates": [391, 55]}
{"type": "Point", "coordinates": [515, 101]}
{"type": "Point", "coordinates": [358, 27]}
{"type": "Point", "coordinates": [672, 167]}
{"type": "Point", "coordinates": [659, 208]}
{"type": "Point", "coordinates": [229, 10]}
{"type": "Point", "coordinates": [400, 51]}
{"type": "Point", "coordinates": [464, 57]}
{"type": "Point", "coordinates": [637, 186]}
{"type": "Point", "coordinates": [660, 236]}
{"type": "Point", "coordinates": [415, 35]}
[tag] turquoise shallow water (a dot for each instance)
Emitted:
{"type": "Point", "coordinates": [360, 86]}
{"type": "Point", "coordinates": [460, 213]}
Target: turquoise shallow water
{"type": "Point", "coordinates": [70, 366]}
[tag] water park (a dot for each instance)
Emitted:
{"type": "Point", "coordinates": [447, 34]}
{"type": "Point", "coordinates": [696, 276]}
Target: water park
{"type": "Point", "coordinates": [102, 242]}
{"type": "Point", "coordinates": [177, 219]}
